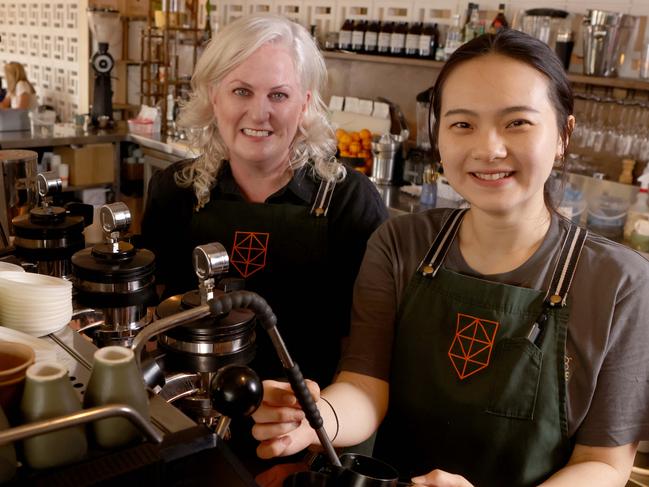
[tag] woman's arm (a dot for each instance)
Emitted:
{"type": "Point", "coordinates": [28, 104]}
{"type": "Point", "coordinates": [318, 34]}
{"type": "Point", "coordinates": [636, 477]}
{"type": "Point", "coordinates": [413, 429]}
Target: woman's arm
{"type": "Point", "coordinates": [359, 402]}
{"type": "Point", "coordinates": [23, 101]}
{"type": "Point", "coordinates": [594, 466]}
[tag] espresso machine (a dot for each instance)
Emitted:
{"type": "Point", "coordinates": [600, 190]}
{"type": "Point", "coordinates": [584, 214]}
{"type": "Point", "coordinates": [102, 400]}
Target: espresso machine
{"type": "Point", "coordinates": [49, 235]}
{"type": "Point", "coordinates": [103, 24]}
{"type": "Point", "coordinates": [116, 279]}
{"type": "Point", "coordinates": [190, 355]}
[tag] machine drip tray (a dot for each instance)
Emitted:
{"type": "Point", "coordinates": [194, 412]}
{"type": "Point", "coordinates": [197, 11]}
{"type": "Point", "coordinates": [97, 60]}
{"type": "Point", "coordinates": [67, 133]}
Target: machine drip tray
{"type": "Point", "coordinates": [189, 455]}
{"type": "Point", "coordinates": [193, 457]}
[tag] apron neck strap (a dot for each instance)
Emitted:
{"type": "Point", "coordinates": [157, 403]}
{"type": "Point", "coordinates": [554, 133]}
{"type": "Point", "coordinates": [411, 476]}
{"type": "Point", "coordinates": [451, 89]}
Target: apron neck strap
{"type": "Point", "coordinates": [437, 252]}
{"type": "Point", "coordinates": [565, 267]}
{"type": "Point", "coordinates": [323, 198]}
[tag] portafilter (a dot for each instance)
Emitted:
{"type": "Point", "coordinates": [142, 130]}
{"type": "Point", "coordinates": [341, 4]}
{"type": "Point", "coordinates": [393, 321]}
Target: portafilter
{"type": "Point", "coordinates": [191, 354]}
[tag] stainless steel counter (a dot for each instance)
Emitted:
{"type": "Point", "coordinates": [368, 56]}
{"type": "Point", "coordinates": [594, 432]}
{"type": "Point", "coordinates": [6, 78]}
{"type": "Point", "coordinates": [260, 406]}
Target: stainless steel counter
{"type": "Point", "coordinates": [26, 140]}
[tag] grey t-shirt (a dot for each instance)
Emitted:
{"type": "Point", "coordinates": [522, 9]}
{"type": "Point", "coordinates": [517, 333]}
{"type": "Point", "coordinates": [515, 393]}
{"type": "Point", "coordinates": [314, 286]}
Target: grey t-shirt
{"type": "Point", "coordinates": [607, 349]}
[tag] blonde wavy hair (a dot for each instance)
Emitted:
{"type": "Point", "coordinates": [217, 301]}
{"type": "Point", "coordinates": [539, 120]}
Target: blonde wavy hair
{"type": "Point", "coordinates": [15, 72]}
{"type": "Point", "coordinates": [314, 141]}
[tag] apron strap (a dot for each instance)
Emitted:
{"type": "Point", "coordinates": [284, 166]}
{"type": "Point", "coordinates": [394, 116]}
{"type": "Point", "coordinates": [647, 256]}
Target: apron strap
{"type": "Point", "coordinates": [437, 252]}
{"type": "Point", "coordinates": [323, 198]}
{"type": "Point", "coordinates": [566, 265]}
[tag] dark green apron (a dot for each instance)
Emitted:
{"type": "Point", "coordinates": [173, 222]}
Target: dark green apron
{"type": "Point", "coordinates": [281, 252]}
{"type": "Point", "coordinates": [478, 381]}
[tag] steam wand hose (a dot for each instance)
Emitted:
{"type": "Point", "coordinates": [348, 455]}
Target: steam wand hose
{"type": "Point", "coordinates": [267, 319]}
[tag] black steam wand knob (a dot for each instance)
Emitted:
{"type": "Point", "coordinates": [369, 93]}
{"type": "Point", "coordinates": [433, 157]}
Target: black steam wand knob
{"type": "Point", "coordinates": [267, 319]}
{"type": "Point", "coordinates": [236, 391]}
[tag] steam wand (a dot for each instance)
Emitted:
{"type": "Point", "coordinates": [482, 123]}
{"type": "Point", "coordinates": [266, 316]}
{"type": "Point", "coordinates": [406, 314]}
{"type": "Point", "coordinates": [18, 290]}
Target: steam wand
{"type": "Point", "coordinates": [245, 299]}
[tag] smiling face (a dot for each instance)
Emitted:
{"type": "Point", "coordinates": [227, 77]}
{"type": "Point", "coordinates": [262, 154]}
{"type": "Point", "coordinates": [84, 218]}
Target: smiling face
{"type": "Point", "coordinates": [498, 134]}
{"type": "Point", "coordinates": [258, 107]}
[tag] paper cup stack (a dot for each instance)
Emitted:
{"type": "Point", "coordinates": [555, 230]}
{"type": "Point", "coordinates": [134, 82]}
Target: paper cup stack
{"type": "Point", "coordinates": [34, 303]}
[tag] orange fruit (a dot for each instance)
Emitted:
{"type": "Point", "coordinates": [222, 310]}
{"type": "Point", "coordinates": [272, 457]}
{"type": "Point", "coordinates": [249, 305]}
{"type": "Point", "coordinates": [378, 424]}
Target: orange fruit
{"type": "Point", "coordinates": [363, 154]}
{"type": "Point", "coordinates": [344, 153]}
{"type": "Point", "coordinates": [355, 136]}
{"type": "Point", "coordinates": [343, 146]}
{"type": "Point", "coordinates": [354, 147]}
{"type": "Point", "coordinates": [345, 138]}
{"type": "Point", "coordinates": [366, 134]}
{"type": "Point", "coordinates": [340, 133]}
{"type": "Point", "coordinates": [366, 144]}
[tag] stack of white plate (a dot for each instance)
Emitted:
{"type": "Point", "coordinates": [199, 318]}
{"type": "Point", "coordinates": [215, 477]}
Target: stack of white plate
{"type": "Point", "coordinates": [8, 266]}
{"type": "Point", "coordinates": [34, 303]}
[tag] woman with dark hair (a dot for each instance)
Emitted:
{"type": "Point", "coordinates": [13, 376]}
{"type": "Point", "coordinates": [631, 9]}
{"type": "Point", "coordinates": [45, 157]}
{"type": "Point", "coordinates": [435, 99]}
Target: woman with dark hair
{"type": "Point", "coordinates": [500, 345]}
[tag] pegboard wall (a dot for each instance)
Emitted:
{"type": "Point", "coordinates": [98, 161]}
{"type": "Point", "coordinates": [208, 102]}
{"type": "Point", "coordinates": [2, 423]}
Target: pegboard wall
{"type": "Point", "coordinates": [50, 38]}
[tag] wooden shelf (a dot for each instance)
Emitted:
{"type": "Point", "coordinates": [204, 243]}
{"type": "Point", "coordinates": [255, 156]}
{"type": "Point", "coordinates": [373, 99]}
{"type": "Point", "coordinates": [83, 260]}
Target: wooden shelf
{"type": "Point", "coordinates": [376, 58]}
{"type": "Point", "coordinates": [626, 83]}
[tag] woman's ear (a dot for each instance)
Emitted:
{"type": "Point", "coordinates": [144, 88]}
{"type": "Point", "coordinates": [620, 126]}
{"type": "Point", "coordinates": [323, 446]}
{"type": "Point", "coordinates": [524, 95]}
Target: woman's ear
{"type": "Point", "coordinates": [561, 146]}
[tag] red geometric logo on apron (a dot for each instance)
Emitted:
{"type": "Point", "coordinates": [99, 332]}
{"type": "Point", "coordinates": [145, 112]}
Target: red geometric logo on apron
{"type": "Point", "coordinates": [249, 252]}
{"type": "Point", "coordinates": [471, 348]}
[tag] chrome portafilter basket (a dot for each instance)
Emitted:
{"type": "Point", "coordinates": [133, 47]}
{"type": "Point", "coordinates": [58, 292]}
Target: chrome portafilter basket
{"type": "Point", "coordinates": [49, 235]}
{"type": "Point", "coordinates": [116, 279]}
{"type": "Point", "coordinates": [190, 355]}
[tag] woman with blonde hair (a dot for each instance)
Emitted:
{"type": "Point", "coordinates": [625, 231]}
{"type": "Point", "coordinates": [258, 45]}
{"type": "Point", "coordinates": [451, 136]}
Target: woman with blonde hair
{"type": "Point", "coordinates": [20, 92]}
{"type": "Point", "coordinates": [268, 187]}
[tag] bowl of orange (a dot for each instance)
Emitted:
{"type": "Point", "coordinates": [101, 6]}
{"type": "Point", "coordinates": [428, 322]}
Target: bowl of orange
{"type": "Point", "coordinates": [355, 148]}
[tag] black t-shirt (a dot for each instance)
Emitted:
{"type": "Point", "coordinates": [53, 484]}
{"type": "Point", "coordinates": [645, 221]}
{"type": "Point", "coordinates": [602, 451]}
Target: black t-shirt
{"type": "Point", "coordinates": [355, 211]}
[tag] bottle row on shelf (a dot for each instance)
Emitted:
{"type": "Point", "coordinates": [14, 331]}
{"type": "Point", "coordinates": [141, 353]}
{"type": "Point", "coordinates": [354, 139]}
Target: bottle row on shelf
{"type": "Point", "coordinates": [415, 39]}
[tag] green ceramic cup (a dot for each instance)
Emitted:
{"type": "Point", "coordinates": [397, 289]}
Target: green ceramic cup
{"type": "Point", "coordinates": [49, 394]}
{"type": "Point", "coordinates": [116, 378]}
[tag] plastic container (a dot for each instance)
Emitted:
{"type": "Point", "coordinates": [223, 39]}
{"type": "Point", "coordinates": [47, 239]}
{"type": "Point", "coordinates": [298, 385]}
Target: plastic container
{"type": "Point", "coordinates": [572, 204]}
{"type": "Point", "coordinates": [607, 215]}
{"type": "Point", "coordinates": [140, 126]}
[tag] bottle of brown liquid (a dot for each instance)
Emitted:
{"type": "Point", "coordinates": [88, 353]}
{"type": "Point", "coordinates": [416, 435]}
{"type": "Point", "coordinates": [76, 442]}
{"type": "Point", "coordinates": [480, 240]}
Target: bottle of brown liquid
{"type": "Point", "coordinates": [398, 39]}
{"type": "Point", "coordinates": [345, 35]}
{"type": "Point", "coordinates": [428, 41]}
{"type": "Point", "coordinates": [412, 39]}
{"type": "Point", "coordinates": [500, 21]}
{"type": "Point", "coordinates": [385, 35]}
{"type": "Point", "coordinates": [358, 36]}
{"type": "Point", "coordinates": [371, 38]}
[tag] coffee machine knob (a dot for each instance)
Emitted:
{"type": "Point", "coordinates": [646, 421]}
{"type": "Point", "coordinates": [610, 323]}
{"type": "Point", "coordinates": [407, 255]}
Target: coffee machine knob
{"type": "Point", "coordinates": [210, 260]}
{"type": "Point", "coordinates": [115, 217]}
{"type": "Point", "coordinates": [236, 391]}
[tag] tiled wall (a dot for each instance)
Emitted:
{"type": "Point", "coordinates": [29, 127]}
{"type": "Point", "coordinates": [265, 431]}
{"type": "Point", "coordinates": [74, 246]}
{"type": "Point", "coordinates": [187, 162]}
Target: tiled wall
{"type": "Point", "coordinates": [50, 38]}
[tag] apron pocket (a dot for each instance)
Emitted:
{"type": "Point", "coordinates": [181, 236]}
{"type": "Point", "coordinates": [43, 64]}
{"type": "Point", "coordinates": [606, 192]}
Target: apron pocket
{"type": "Point", "coordinates": [517, 372]}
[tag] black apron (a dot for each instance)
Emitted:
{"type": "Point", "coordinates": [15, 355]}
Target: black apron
{"type": "Point", "coordinates": [478, 382]}
{"type": "Point", "coordinates": [281, 252]}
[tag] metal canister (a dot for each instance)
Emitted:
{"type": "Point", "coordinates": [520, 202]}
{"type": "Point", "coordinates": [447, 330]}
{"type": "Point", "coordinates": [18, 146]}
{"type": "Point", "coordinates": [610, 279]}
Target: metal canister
{"type": "Point", "coordinates": [17, 189]}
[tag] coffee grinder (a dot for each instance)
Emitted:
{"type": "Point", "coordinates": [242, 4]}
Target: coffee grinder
{"type": "Point", "coordinates": [103, 24]}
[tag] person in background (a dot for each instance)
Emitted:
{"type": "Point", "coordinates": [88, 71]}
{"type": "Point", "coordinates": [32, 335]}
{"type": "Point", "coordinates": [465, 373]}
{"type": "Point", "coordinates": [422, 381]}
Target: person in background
{"type": "Point", "coordinates": [499, 345]}
{"type": "Point", "coordinates": [268, 187]}
{"type": "Point", "coordinates": [20, 92]}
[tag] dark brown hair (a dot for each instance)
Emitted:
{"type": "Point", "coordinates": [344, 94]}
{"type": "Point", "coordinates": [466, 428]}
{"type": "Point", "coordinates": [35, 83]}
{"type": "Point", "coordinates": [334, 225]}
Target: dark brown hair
{"type": "Point", "coordinates": [521, 47]}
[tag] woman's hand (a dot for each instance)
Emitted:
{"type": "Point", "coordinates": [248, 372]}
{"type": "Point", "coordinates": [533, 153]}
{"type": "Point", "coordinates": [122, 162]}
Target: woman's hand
{"type": "Point", "coordinates": [440, 478]}
{"type": "Point", "coordinates": [280, 424]}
